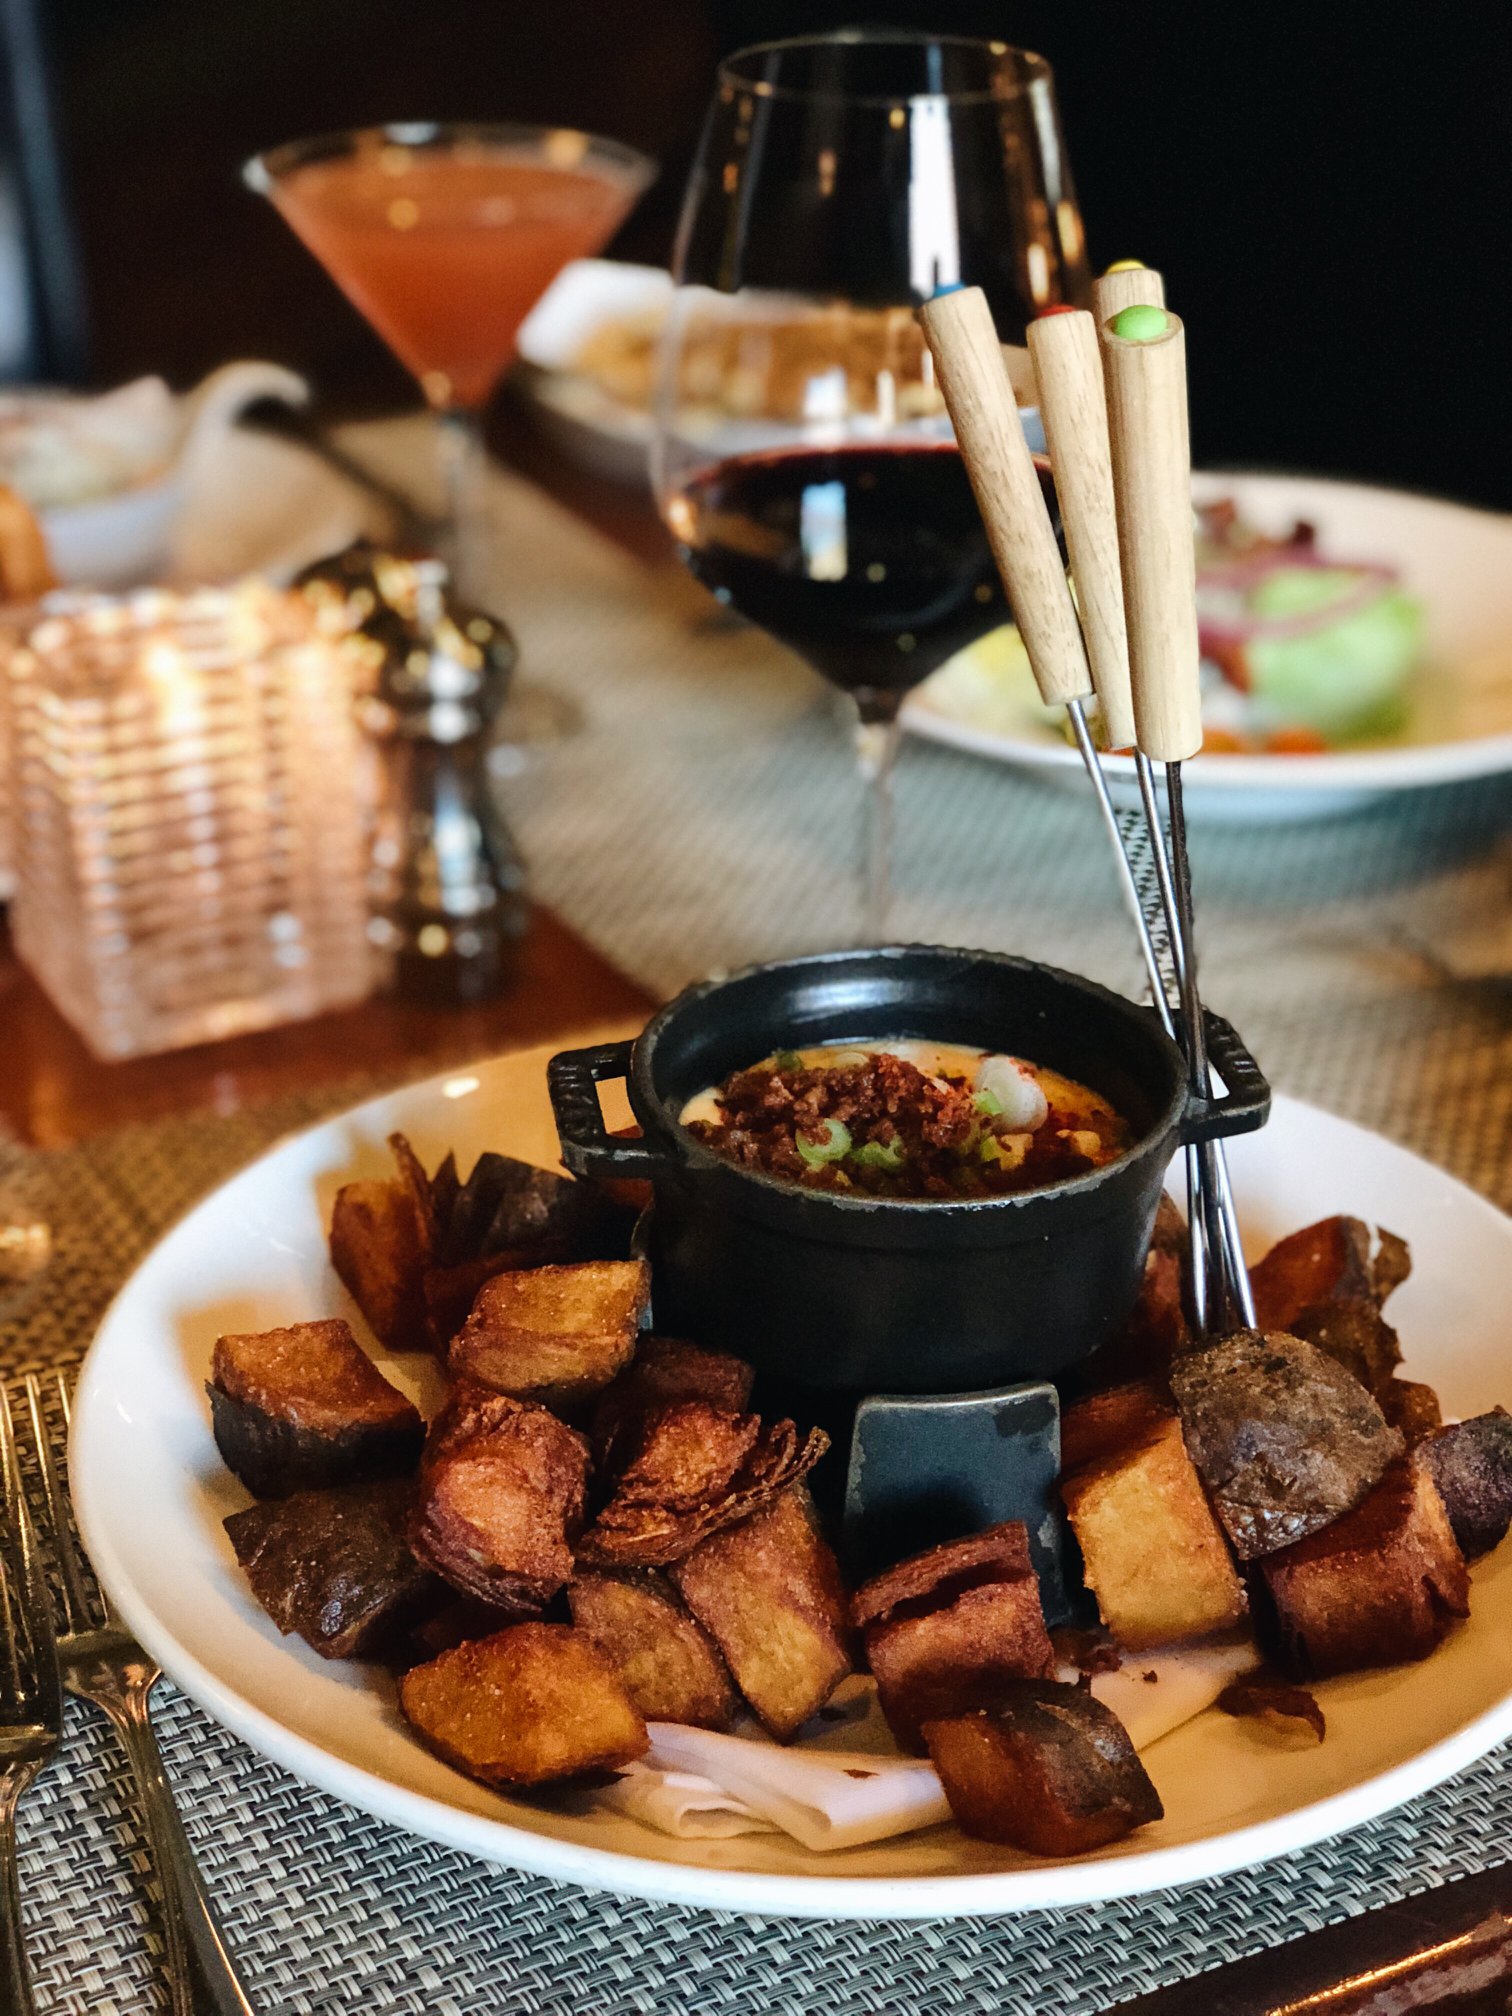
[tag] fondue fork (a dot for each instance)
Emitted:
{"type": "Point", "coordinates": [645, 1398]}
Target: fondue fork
{"type": "Point", "coordinates": [1144, 370]}
{"type": "Point", "coordinates": [959, 329]}
{"type": "Point", "coordinates": [1073, 406]}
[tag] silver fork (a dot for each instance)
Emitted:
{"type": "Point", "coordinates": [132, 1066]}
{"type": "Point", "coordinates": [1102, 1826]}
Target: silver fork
{"type": "Point", "coordinates": [101, 1662]}
{"type": "Point", "coordinates": [31, 1702]}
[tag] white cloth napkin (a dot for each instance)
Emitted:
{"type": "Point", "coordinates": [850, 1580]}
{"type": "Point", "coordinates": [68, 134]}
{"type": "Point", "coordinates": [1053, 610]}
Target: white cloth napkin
{"type": "Point", "coordinates": [843, 1783]}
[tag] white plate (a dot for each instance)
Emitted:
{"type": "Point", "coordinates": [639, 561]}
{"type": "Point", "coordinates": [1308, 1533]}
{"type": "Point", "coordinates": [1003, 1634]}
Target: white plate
{"type": "Point", "coordinates": [151, 1494]}
{"type": "Point", "coordinates": [596, 430]}
{"type": "Point", "coordinates": [1457, 561]}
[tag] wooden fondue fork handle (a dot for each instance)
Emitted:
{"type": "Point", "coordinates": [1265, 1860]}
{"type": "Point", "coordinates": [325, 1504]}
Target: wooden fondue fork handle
{"type": "Point", "coordinates": [959, 329]}
{"type": "Point", "coordinates": [1074, 410]}
{"type": "Point", "coordinates": [1126, 287]}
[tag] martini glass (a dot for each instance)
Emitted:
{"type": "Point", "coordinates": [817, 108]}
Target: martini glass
{"type": "Point", "coordinates": [444, 237]}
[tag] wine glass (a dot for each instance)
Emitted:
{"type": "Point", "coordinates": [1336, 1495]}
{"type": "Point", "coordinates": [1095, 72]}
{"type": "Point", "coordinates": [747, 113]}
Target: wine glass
{"type": "Point", "coordinates": [804, 461]}
{"type": "Point", "coordinates": [444, 237]}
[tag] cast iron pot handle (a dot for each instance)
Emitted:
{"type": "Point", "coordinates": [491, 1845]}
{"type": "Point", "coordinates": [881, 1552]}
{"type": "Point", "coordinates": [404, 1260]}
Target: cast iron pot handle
{"type": "Point", "coordinates": [1245, 1105]}
{"type": "Point", "coordinates": [588, 1148]}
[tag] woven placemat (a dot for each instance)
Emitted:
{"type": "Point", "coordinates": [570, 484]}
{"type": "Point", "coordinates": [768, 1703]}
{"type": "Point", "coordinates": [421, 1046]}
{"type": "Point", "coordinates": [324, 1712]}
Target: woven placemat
{"type": "Point", "coordinates": [331, 1910]}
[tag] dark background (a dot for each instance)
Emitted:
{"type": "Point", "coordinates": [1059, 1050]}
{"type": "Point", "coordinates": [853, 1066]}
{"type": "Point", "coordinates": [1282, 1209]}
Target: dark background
{"type": "Point", "coordinates": [1326, 187]}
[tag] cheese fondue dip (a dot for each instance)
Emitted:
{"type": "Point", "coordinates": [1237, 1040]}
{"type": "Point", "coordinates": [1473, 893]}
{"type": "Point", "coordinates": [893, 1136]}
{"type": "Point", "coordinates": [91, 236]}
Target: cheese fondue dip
{"type": "Point", "coordinates": [907, 1119]}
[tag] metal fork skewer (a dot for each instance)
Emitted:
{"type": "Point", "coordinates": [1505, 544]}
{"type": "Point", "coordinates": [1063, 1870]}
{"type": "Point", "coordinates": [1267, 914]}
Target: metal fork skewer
{"type": "Point", "coordinates": [1219, 1277]}
{"type": "Point", "coordinates": [102, 1663]}
{"type": "Point", "coordinates": [1225, 1251]}
{"type": "Point", "coordinates": [31, 1703]}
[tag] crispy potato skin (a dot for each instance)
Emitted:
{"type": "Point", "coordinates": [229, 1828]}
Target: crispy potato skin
{"type": "Point", "coordinates": [304, 1406]}
{"type": "Point", "coordinates": [664, 1371]}
{"type": "Point", "coordinates": [769, 1594]}
{"type": "Point", "coordinates": [944, 1630]}
{"type": "Point", "coordinates": [1050, 1770]}
{"type": "Point", "coordinates": [335, 1566]}
{"type": "Point", "coordinates": [499, 1500]}
{"type": "Point", "coordinates": [1152, 1552]}
{"type": "Point", "coordinates": [1322, 1284]}
{"type": "Point", "coordinates": [380, 1246]}
{"type": "Point", "coordinates": [1471, 1464]}
{"type": "Point", "coordinates": [1284, 1439]}
{"type": "Point", "coordinates": [532, 1704]}
{"type": "Point", "coordinates": [696, 1469]}
{"type": "Point", "coordinates": [554, 1334]}
{"type": "Point", "coordinates": [1412, 1408]}
{"type": "Point", "coordinates": [1378, 1587]}
{"type": "Point", "coordinates": [1117, 1418]}
{"type": "Point", "coordinates": [669, 1665]}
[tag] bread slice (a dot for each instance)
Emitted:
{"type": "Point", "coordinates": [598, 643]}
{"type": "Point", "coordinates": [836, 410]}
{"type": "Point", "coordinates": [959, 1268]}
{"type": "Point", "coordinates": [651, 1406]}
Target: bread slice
{"type": "Point", "coordinates": [304, 1406]}
{"type": "Point", "coordinates": [1153, 1553]}
{"type": "Point", "coordinates": [1376, 1588]}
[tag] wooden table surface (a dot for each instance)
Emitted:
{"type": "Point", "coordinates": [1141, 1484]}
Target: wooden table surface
{"type": "Point", "coordinates": [53, 1092]}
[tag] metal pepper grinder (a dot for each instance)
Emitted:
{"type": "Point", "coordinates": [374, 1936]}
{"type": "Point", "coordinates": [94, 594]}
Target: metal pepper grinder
{"type": "Point", "coordinates": [448, 884]}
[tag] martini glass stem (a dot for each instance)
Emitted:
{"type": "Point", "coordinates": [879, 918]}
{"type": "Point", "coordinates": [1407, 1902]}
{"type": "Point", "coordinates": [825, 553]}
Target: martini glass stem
{"type": "Point", "coordinates": [878, 731]}
{"type": "Point", "coordinates": [464, 463]}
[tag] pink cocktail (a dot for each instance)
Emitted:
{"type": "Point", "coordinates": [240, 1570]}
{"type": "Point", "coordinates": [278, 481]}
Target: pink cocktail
{"type": "Point", "coordinates": [445, 237]}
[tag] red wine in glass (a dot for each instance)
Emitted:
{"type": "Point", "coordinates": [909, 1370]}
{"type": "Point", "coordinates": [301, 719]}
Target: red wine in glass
{"type": "Point", "coordinates": [870, 561]}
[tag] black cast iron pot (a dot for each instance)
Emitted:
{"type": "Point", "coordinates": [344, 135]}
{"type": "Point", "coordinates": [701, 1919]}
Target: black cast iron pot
{"type": "Point", "coordinates": [873, 1295]}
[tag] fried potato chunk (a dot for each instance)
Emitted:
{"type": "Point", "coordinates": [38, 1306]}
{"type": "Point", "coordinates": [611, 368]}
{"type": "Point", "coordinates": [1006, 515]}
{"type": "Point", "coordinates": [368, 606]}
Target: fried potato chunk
{"type": "Point", "coordinates": [1049, 1770]}
{"type": "Point", "coordinates": [304, 1406]}
{"type": "Point", "coordinates": [335, 1566]}
{"type": "Point", "coordinates": [694, 1469]}
{"type": "Point", "coordinates": [382, 1241]}
{"type": "Point", "coordinates": [669, 1665]}
{"type": "Point", "coordinates": [1471, 1464]}
{"type": "Point", "coordinates": [531, 1704]}
{"type": "Point", "coordinates": [1412, 1408]}
{"type": "Point", "coordinates": [499, 1499]}
{"type": "Point", "coordinates": [1325, 1285]}
{"type": "Point", "coordinates": [665, 1370]}
{"type": "Point", "coordinates": [1153, 1554]}
{"type": "Point", "coordinates": [1284, 1439]}
{"type": "Point", "coordinates": [1376, 1588]}
{"type": "Point", "coordinates": [769, 1594]}
{"type": "Point", "coordinates": [944, 1630]}
{"type": "Point", "coordinates": [553, 1334]}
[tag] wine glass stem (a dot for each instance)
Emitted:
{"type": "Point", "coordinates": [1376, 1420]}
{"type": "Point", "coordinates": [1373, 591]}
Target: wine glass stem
{"type": "Point", "coordinates": [877, 734]}
{"type": "Point", "coordinates": [463, 465]}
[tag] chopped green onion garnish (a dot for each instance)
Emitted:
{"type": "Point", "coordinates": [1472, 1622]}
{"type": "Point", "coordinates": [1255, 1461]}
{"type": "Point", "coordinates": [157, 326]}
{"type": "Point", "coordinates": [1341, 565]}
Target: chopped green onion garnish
{"type": "Point", "coordinates": [834, 1141]}
{"type": "Point", "coordinates": [787, 1060]}
{"type": "Point", "coordinates": [987, 1148]}
{"type": "Point", "coordinates": [880, 1155]}
{"type": "Point", "coordinates": [989, 1103]}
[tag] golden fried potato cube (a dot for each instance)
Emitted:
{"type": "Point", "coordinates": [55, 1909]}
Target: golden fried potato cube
{"type": "Point", "coordinates": [553, 1334]}
{"type": "Point", "coordinates": [1153, 1554]}
{"type": "Point", "coordinates": [1049, 1770]}
{"type": "Point", "coordinates": [769, 1594]}
{"type": "Point", "coordinates": [533, 1703]}
{"type": "Point", "coordinates": [380, 1246]}
{"type": "Point", "coordinates": [1378, 1587]}
{"type": "Point", "coordinates": [499, 1499]}
{"type": "Point", "coordinates": [669, 1665]}
{"type": "Point", "coordinates": [944, 1630]}
{"type": "Point", "coordinates": [304, 1406]}
{"type": "Point", "coordinates": [664, 1371]}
